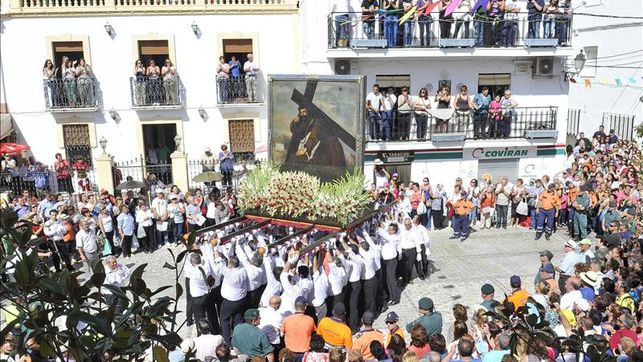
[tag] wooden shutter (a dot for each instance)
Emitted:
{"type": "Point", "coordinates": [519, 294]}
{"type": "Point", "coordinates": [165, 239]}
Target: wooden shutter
{"type": "Point", "coordinates": [68, 46]}
{"type": "Point", "coordinates": [233, 46]}
{"type": "Point", "coordinates": [153, 47]}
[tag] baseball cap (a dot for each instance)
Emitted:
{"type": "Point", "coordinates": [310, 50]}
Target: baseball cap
{"type": "Point", "coordinates": [571, 244]}
{"type": "Point", "coordinates": [368, 317]}
{"type": "Point", "coordinates": [547, 253]}
{"type": "Point", "coordinates": [585, 242]}
{"type": "Point", "coordinates": [547, 268]}
{"type": "Point", "coordinates": [392, 317]}
{"type": "Point", "coordinates": [487, 289]}
{"type": "Point", "coordinates": [251, 313]}
{"type": "Point", "coordinates": [425, 303]}
{"type": "Point", "coordinates": [515, 281]}
{"type": "Point", "coordinates": [339, 309]}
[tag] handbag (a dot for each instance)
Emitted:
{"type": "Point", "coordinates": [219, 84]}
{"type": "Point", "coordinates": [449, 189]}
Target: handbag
{"type": "Point", "coordinates": [522, 208]}
{"type": "Point", "coordinates": [107, 249]}
{"type": "Point", "coordinates": [421, 210]}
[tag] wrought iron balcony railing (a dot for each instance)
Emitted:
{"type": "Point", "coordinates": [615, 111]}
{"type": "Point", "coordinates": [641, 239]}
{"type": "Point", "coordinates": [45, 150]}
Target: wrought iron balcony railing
{"type": "Point", "coordinates": [520, 122]}
{"type": "Point", "coordinates": [383, 30]}
{"type": "Point", "coordinates": [73, 94]}
{"type": "Point", "coordinates": [148, 92]}
{"type": "Point", "coordinates": [242, 89]}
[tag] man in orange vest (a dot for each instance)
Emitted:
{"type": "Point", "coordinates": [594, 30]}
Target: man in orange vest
{"type": "Point", "coordinates": [462, 207]}
{"type": "Point", "coordinates": [548, 206]}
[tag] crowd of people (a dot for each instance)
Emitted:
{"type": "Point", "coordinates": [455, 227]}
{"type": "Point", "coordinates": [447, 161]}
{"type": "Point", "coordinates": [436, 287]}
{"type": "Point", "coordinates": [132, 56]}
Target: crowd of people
{"type": "Point", "coordinates": [250, 300]}
{"type": "Point", "coordinates": [390, 116]}
{"type": "Point", "coordinates": [70, 85]}
{"type": "Point", "coordinates": [496, 23]}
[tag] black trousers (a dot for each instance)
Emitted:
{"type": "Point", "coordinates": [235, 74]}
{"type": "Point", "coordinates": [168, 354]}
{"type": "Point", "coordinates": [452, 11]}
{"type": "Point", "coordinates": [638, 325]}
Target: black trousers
{"type": "Point", "coordinates": [127, 246]}
{"type": "Point", "coordinates": [254, 297]}
{"type": "Point", "coordinates": [562, 279]}
{"type": "Point", "coordinates": [353, 305]}
{"type": "Point", "coordinates": [390, 280]}
{"type": "Point", "coordinates": [213, 307]}
{"type": "Point", "coordinates": [422, 266]}
{"type": "Point", "coordinates": [60, 253]}
{"type": "Point", "coordinates": [370, 287]}
{"type": "Point", "coordinates": [230, 315]}
{"type": "Point", "coordinates": [408, 260]}
{"type": "Point", "coordinates": [198, 307]}
{"type": "Point", "coordinates": [188, 302]}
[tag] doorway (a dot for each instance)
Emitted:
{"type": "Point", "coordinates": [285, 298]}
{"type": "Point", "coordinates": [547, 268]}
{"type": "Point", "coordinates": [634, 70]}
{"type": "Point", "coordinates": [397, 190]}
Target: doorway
{"type": "Point", "coordinates": [403, 171]}
{"type": "Point", "coordinates": [159, 145]}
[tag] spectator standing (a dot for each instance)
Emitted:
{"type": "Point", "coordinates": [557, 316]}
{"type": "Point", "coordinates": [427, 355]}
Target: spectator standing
{"type": "Point", "coordinates": [462, 105]}
{"type": "Point", "coordinates": [424, 22]}
{"type": "Point", "coordinates": [341, 17]}
{"type": "Point", "coordinates": [168, 72]}
{"type": "Point", "coordinates": [548, 206]}
{"type": "Point", "coordinates": [421, 105]}
{"type": "Point", "coordinates": [87, 247]}
{"type": "Point", "coordinates": [369, 7]}
{"type": "Point", "coordinates": [235, 67]}
{"type": "Point", "coordinates": [85, 84]}
{"type": "Point", "coordinates": [552, 13]}
{"type": "Point", "coordinates": [389, 101]}
{"type": "Point", "coordinates": [481, 104]}
{"type": "Point", "coordinates": [298, 329]}
{"type": "Point", "coordinates": [510, 24]}
{"type": "Point", "coordinates": [223, 80]}
{"type": "Point", "coordinates": [126, 230]}
{"type": "Point", "coordinates": [226, 165]}
{"type": "Point", "coordinates": [445, 20]}
{"type": "Point", "coordinates": [375, 108]}
{"type": "Point", "coordinates": [404, 109]}
{"type": "Point", "coordinates": [250, 340]}
{"type": "Point", "coordinates": [391, 7]}
{"type": "Point", "coordinates": [429, 319]}
{"type": "Point", "coordinates": [503, 192]}
{"type": "Point", "coordinates": [333, 329]}
{"type": "Point", "coordinates": [462, 208]}
{"type": "Point", "coordinates": [140, 86]}
{"type": "Point", "coordinates": [252, 70]}
{"type": "Point", "coordinates": [534, 17]}
{"type": "Point", "coordinates": [154, 85]}
{"type": "Point", "coordinates": [508, 113]}
{"type": "Point", "coordinates": [63, 174]}
{"type": "Point", "coordinates": [363, 339]}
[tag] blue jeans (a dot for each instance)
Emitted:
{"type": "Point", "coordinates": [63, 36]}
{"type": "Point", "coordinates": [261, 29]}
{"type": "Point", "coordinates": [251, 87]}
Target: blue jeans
{"type": "Point", "coordinates": [390, 30]}
{"type": "Point", "coordinates": [506, 124]}
{"type": "Point", "coordinates": [550, 28]}
{"type": "Point", "coordinates": [375, 124]}
{"type": "Point", "coordinates": [532, 217]}
{"type": "Point", "coordinates": [342, 27]}
{"type": "Point", "coordinates": [408, 33]}
{"type": "Point", "coordinates": [424, 22]}
{"type": "Point", "coordinates": [369, 28]}
{"type": "Point", "coordinates": [178, 232]}
{"type": "Point", "coordinates": [478, 28]}
{"type": "Point", "coordinates": [534, 29]}
{"type": "Point", "coordinates": [509, 31]}
{"type": "Point", "coordinates": [562, 30]}
{"type": "Point", "coordinates": [385, 129]}
{"type": "Point", "coordinates": [420, 124]}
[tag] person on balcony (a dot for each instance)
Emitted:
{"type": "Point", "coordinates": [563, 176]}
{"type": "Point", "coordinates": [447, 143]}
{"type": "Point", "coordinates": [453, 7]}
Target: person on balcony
{"type": "Point", "coordinates": [443, 100]}
{"type": "Point", "coordinates": [552, 12]}
{"type": "Point", "coordinates": [563, 22]}
{"type": "Point", "coordinates": [68, 73]}
{"type": "Point", "coordinates": [223, 78]}
{"type": "Point", "coordinates": [493, 24]}
{"type": "Point", "coordinates": [404, 109]}
{"type": "Point", "coordinates": [49, 77]}
{"type": "Point", "coordinates": [409, 25]}
{"type": "Point", "coordinates": [462, 105]}
{"type": "Point", "coordinates": [139, 87]}
{"type": "Point", "coordinates": [421, 104]}
{"type": "Point", "coordinates": [534, 16]}
{"type": "Point", "coordinates": [481, 113]}
{"type": "Point", "coordinates": [463, 17]}
{"type": "Point", "coordinates": [375, 109]}
{"type": "Point", "coordinates": [169, 82]}
{"type": "Point", "coordinates": [495, 117]}
{"type": "Point", "coordinates": [424, 22]}
{"type": "Point", "coordinates": [251, 69]}
{"type": "Point", "coordinates": [508, 113]}
{"type": "Point", "coordinates": [85, 83]}
{"type": "Point", "coordinates": [510, 25]}
{"type": "Point", "coordinates": [153, 83]}
{"type": "Point", "coordinates": [340, 11]}
{"type": "Point", "coordinates": [387, 120]}
{"type": "Point", "coordinates": [369, 7]}
{"type": "Point", "coordinates": [445, 20]}
{"type": "Point", "coordinates": [392, 8]}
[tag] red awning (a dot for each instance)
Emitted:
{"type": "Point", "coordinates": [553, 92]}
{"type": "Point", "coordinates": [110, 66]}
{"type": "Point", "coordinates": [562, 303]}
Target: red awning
{"type": "Point", "coordinates": [12, 148]}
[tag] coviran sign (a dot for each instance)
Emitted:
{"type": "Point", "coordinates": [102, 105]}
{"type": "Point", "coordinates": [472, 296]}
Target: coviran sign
{"type": "Point", "coordinates": [486, 153]}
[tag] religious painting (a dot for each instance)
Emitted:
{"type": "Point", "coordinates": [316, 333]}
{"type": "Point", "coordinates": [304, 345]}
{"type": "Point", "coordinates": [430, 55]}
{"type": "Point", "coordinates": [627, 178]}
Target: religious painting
{"type": "Point", "coordinates": [317, 124]}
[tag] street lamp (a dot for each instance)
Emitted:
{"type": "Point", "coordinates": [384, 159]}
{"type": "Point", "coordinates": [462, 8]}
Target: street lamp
{"type": "Point", "coordinates": [203, 113]}
{"type": "Point", "coordinates": [177, 142]}
{"type": "Point", "coordinates": [109, 29]}
{"type": "Point", "coordinates": [113, 114]}
{"type": "Point", "coordinates": [579, 61]}
{"type": "Point", "coordinates": [195, 28]}
{"type": "Point", "coordinates": [103, 143]}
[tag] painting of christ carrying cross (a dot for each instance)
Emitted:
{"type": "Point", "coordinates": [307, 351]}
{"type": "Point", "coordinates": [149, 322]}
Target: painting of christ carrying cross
{"type": "Point", "coordinates": [316, 124]}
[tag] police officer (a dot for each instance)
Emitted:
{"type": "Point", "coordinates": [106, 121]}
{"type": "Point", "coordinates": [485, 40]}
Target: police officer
{"type": "Point", "coordinates": [581, 205]}
{"type": "Point", "coordinates": [462, 208]}
{"type": "Point", "coordinates": [548, 206]}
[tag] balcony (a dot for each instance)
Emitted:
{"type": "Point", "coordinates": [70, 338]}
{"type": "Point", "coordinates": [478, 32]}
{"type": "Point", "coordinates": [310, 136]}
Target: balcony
{"type": "Point", "coordinates": [349, 34]}
{"type": "Point", "coordinates": [71, 95]}
{"type": "Point", "coordinates": [112, 7]}
{"type": "Point", "coordinates": [240, 90]}
{"type": "Point", "coordinates": [155, 93]}
{"type": "Point", "coordinates": [521, 123]}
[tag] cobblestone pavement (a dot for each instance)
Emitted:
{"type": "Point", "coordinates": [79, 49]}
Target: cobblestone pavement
{"type": "Point", "coordinates": [460, 269]}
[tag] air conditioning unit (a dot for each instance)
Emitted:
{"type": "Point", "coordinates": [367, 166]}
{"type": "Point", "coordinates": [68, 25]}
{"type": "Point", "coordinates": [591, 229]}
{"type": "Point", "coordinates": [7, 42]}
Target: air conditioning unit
{"type": "Point", "coordinates": [342, 66]}
{"type": "Point", "coordinates": [543, 67]}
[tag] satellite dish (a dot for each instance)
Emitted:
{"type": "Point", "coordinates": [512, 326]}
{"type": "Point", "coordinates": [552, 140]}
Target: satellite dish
{"type": "Point", "coordinates": [444, 74]}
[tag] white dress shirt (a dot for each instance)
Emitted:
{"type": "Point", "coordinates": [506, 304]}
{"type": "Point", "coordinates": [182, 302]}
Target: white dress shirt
{"type": "Point", "coordinates": [291, 292]}
{"type": "Point", "coordinates": [55, 230]}
{"type": "Point", "coordinates": [86, 240]}
{"type": "Point", "coordinates": [307, 288]}
{"type": "Point", "coordinates": [271, 323]}
{"type": "Point", "coordinates": [206, 345]}
{"type": "Point", "coordinates": [370, 263]}
{"type": "Point", "coordinates": [198, 285]}
{"type": "Point", "coordinates": [320, 280]}
{"type": "Point", "coordinates": [376, 250]}
{"type": "Point", "coordinates": [337, 279]}
{"type": "Point", "coordinates": [273, 286]}
{"type": "Point", "coordinates": [407, 239]}
{"type": "Point", "coordinates": [389, 244]}
{"type": "Point", "coordinates": [356, 268]}
{"type": "Point", "coordinates": [235, 283]}
{"type": "Point", "coordinates": [256, 274]}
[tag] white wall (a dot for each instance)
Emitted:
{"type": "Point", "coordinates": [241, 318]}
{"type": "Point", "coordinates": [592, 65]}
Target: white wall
{"type": "Point", "coordinates": [24, 49]}
{"type": "Point", "coordinates": [612, 37]}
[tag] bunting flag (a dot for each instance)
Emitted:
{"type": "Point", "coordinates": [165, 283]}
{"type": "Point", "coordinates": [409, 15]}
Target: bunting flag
{"type": "Point", "coordinates": [431, 7]}
{"type": "Point", "coordinates": [588, 83]}
{"type": "Point", "coordinates": [603, 81]}
{"type": "Point", "coordinates": [451, 8]}
{"type": "Point", "coordinates": [631, 80]}
{"type": "Point", "coordinates": [618, 82]}
{"type": "Point", "coordinates": [479, 4]}
{"type": "Point", "coordinates": [406, 16]}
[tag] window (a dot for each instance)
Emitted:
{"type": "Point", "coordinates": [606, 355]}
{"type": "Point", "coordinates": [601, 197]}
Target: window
{"type": "Point", "coordinates": [497, 82]}
{"type": "Point", "coordinates": [242, 137]}
{"type": "Point", "coordinates": [77, 142]}
{"type": "Point", "coordinates": [393, 81]}
{"type": "Point", "coordinates": [157, 50]}
{"type": "Point", "coordinates": [239, 48]}
{"type": "Point", "coordinates": [591, 56]}
{"type": "Point", "coordinates": [71, 49]}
